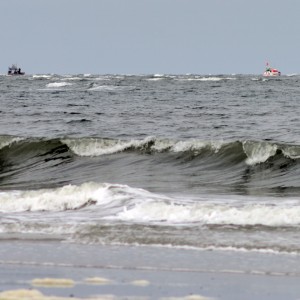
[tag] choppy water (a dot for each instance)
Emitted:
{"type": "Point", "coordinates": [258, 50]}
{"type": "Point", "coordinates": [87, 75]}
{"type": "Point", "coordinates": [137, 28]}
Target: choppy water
{"type": "Point", "coordinates": [178, 161]}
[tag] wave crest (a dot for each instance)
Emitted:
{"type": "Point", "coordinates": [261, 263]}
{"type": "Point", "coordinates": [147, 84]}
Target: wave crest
{"type": "Point", "coordinates": [6, 140]}
{"type": "Point", "coordinates": [258, 152]}
{"type": "Point", "coordinates": [69, 197]}
{"type": "Point", "coordinates": [252, 152]}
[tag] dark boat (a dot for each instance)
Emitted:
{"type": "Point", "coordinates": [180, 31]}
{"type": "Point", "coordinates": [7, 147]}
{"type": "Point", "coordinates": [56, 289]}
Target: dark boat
{"type": "Point", "coordinates": [14, 70]}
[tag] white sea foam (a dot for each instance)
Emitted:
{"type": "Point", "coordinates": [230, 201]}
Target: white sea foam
{"type": "Point", "coordinates": [214, 213]}
{"type": "Point", "coordinates": [233, 249]}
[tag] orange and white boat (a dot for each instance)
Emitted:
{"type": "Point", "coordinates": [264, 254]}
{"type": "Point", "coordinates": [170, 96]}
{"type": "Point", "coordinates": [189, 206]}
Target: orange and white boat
{"type": "Point", "coordinates": [271, 71]}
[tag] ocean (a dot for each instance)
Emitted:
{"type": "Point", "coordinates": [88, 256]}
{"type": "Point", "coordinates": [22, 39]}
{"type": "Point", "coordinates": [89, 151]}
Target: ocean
{"type": "Point", "coordinates": [203, 162]}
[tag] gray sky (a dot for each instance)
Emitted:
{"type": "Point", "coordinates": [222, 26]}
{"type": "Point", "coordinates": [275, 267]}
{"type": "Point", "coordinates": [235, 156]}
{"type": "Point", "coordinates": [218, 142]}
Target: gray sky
{"type": "Point", "coordinates": [150, 36]}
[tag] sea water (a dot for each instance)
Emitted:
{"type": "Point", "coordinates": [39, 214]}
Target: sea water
{"type": "Point", "coordinates": [180, 161]}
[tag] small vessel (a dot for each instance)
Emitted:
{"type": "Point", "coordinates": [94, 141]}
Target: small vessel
{"type": "Point", "coordinates": [14, 70]}
{"type": "Point", "coordinates": [271, 71]}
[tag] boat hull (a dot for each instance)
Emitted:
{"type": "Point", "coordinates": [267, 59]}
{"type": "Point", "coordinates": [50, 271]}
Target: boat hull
{"type": "Point", "coordinates": [22, 73]}
{"type": "Point", "coordinates": [271, 74]}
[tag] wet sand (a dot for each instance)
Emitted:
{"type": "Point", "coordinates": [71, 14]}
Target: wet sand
{"type": "Point", "coordinates": [75, 271]}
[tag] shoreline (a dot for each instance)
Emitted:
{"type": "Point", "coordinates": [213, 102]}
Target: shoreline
{"type": "Point", "coordinates": [131, 272]}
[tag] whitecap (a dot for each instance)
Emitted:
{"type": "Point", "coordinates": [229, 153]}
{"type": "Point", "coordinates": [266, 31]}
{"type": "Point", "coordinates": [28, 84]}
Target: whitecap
{"type": "Point", "coordinates": [98, 146]}
{"type": "Point", "coordinates": [41, 76]}
{"type": "Point", "coordinates": [258, 152]}
{"type": "Point", "coordinates": [69, 197]}
{"type": "Point", "coordinates": [58, 84]}
{"type": "Point", "coordinates": [8, 140]}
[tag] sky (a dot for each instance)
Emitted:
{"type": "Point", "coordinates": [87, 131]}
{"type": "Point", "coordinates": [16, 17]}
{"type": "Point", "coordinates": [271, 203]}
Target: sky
{"type": "Point", "coordinates": [150, 36]}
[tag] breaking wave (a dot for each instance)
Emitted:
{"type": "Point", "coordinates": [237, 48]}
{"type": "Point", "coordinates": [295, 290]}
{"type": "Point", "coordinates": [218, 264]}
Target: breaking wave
{"type": "Point", "coordinates": [252, 152]}
{"type": "Point", "coordinates": [255, 152]}
{"type": "Point", "coordinates": [124, 203]}
{"type": "Point", "coordinates": [119, 214]}
{"type": "Point", "coordinates": [194, 165]}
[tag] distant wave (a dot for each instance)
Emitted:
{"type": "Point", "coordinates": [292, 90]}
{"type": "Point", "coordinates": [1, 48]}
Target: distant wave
{"type": "Point", "coordinates": [73, 78]}
{"type": "Point", "coordinates": [58, 84]}
{"type": "Point", "coordinates": [158, 77]}
{"type": "Point", "coordinates": [42, 76]}
{"type": "Point", "coordinates": [211, 78]}
{"type": "Point", "coordinates": [103, 88]}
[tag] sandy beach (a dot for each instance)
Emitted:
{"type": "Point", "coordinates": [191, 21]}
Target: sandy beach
{"type": "Point", "coordinates": [39, 270]}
